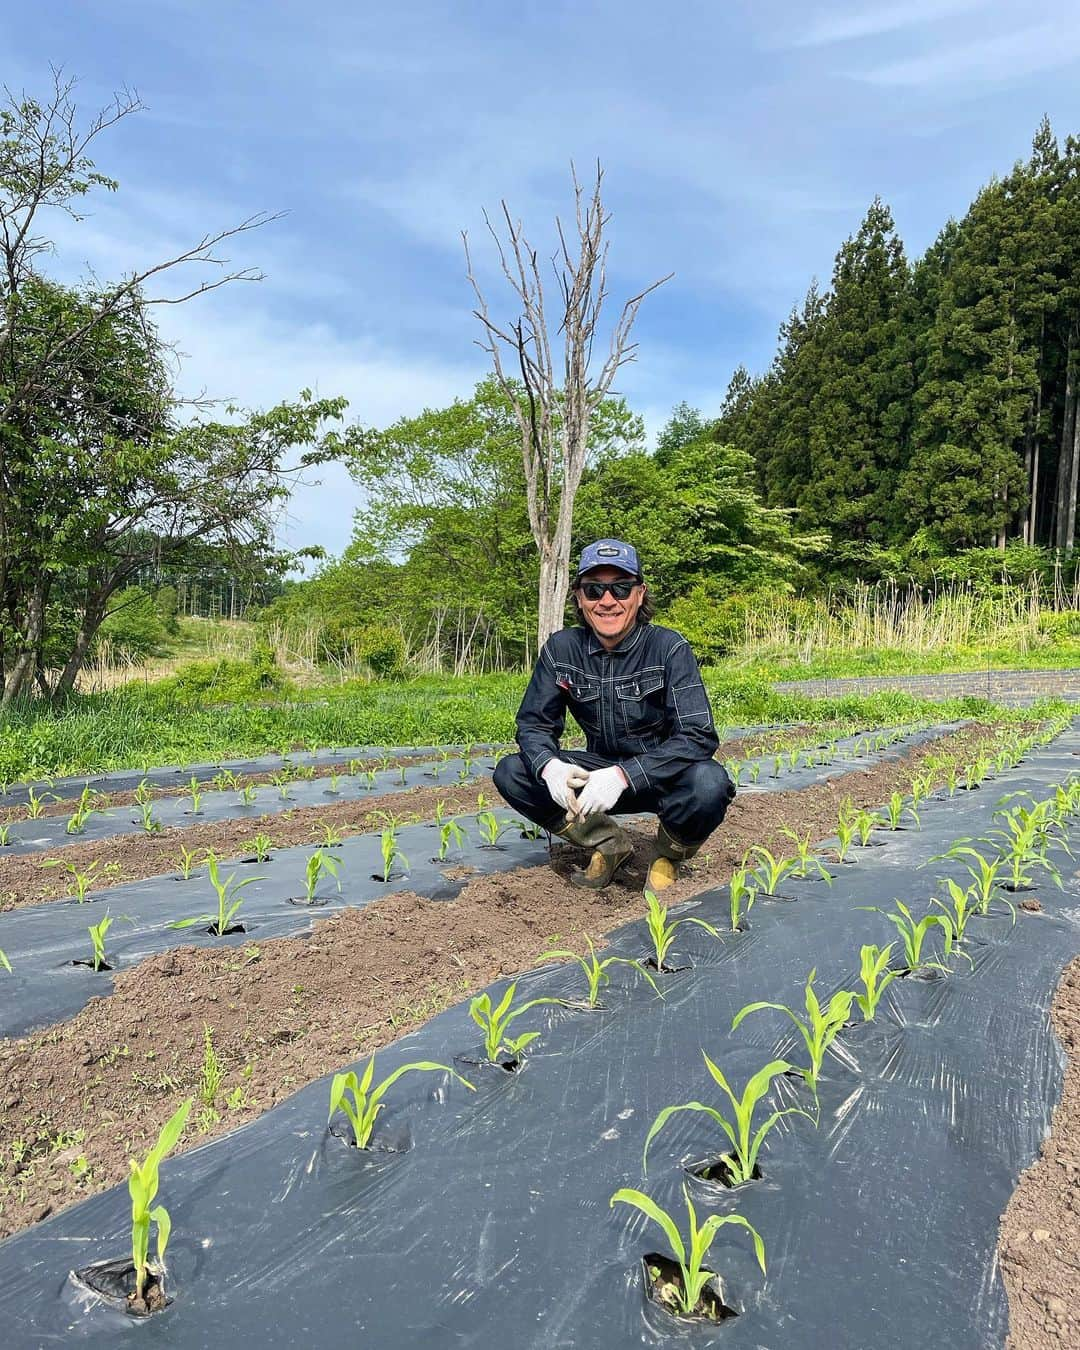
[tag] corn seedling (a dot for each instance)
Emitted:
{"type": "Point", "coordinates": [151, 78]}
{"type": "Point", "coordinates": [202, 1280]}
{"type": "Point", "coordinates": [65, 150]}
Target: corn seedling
{"type": "Point", "coordinates": [82, 880]}
{"type": "Point", "coordinates": [227, 903]}
{"type": "Point", "coordinates": [355, 766]}
{"type": "Point", "coordinates": [741, 893]}
{"type": "Point", "coordinates": [147, 819]}
{"type": "Point", "coordinates": [805, 856]}
{"type": "Point", "coordinates": [777, 765]}
{"type": "Point", "coordinates": [895, 810]}
{"type": "Point", "coordinates": [951, 773]}
{"type": "Point", "coordinates": [922, 785]}
{"type": "Point", "coordinates": [320, 864]}
{"type": "Point", "coordinates": [913, 934]}
{"type": "Point", "coordinates": [818, 1029]}
{"type": "Point", "coordinates": [984, 872]}
{"type": "Point", "coordinates": [693, 1277]}
{"type": "Point", "coordinates": [225, 781]}
{"type": "Point", "coordinates": [369, 780]}
{"type": "Point", "coordinates": [335, 779]}
{"type": "Point", "coordinates": [5, 834]}
{"type": "Point", "coordinates": [450, 832]}
{"type": "Point", "coordinates": [35, 805]}
{"type": "Point", "coordinates": [195, 795]}
{"type": "Point", "coordinates": [440, 811]}
{"type": "Point", "coordinates": [745, 1146]}
{"type": "Point", "coordinates": [595, 970]}
{"type": "Point", "coordinates": [390, 852]}
{"type": "Point", "coordinates": [143, 1188]}
{"type": "Point", "coordinates": [481, 801]}
{"type": "Point", "coordinates": [755, 771]}
{"type": "Point", "coordinates": [770, 870]}
{"type": "Point", "coordinates": [529, 829]}
{"type": "Point", "coordinates": [248, 793]}
{"type": "Point", "coordinates": [187, 861]}
{"type": "Point", "coordinates": [143, 793]}
{"type": "Point", "coordinates": [4, 961]}
{"type": "Point", "coordinates": [491, 831]}
{"type": "Point", "coordinates": [362, 1103]}
{"type": "Point", "coordinates": [976, 772]}
{"type": "Point", "coordinates": [281, 781]}
{"type": "Point", "coordinates": [876, 978]}
{"type": "Point", "coordinates": [962, 905]}
{"type": "Point", "coordinates": [845, 833]}
{"type": "Point", "coordinates": [494, 1022]}
{"type": "Point", "coordinates": [734, 771]}
{"type": "Point", "coordinates": [663, 932]}
{"type": "Point", "coordinates": [864, 826]}
{"type": "Point", "coordinates": [97, 933]}
{"type": "Point", "coordinates": [331, 835]}
{"type": "Point", "coordinates": [84, 809]}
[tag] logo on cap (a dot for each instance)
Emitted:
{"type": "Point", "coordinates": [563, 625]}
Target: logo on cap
{"type": "Point", "coordinates": [606, 551]}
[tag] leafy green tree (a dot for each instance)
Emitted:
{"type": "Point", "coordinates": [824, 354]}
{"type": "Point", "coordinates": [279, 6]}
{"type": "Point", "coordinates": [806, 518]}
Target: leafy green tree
{"type": "Point", "coordinates": [99, 477]}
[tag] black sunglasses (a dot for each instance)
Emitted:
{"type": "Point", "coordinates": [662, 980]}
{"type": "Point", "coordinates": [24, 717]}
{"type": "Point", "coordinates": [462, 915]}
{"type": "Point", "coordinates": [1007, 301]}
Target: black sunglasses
{"type": "Point", "coordinates": [594, 590]}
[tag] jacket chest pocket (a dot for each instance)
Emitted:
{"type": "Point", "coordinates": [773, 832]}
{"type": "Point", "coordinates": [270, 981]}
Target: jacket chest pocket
{"type": "Point", "coordinates": [583, 696]}
{"type": "Point", "coordinates": [640, 700]}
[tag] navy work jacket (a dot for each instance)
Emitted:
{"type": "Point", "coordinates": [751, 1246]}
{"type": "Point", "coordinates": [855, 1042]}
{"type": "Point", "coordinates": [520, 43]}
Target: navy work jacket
{"type": "Point", "coordinates": [642, 704]}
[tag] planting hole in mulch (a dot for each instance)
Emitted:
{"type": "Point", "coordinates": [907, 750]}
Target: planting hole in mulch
{"type": "Point", "coordinates": [505, 1063]}
{"type": "Point", "coordinates": [649, 963]}
{"type": "Point", "coordinates": [664, 1287]}
{"type": "Point", "coordinates": [718, 1172]}
{"type": "Point", "coordinates": [226, 932]}
{"type": "Point", "coordinates": [776, 895]}
{"type": "Point", "coordinates": [401, 1142]}
{"type": "Point", "coordinates": [114, 1282]}
{"type": "Point", "coordinates": [304, 903]}
{"type": "Point", "coordinates": [102, 965]}
{"type": "Point", "coordinates": [394, 876]}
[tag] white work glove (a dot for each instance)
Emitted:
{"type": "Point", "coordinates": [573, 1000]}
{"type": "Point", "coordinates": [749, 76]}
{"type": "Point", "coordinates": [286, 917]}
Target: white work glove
{"type": "Point", "coordinates": [602, 791]}
{"type": "Point", "coordinates": [562, 780]}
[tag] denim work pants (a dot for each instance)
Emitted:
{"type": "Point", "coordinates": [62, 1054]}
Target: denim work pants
{"type": "Point", "coordinates": [690, 806]}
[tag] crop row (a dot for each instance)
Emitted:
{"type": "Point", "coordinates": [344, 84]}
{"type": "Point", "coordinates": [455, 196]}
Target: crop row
{"type": "Point", "coordinates": [1016, 848]}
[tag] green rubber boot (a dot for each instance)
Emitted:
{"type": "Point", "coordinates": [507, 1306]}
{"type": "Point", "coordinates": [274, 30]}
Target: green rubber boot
{"type": "Point", "coordinates": [609, 843]}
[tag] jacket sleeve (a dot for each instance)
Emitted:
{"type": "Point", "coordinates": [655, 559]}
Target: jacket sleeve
{"type": "Point", "coordinates": [542, 715]}
{"type": "Point", "coordinates": [689, 719]}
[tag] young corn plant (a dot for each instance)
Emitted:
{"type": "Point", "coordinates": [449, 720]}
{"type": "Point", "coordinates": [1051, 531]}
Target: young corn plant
{"type": "Point", "coordinates": [335, 779]}
{"type": "Point", "coordinates": [331, 835]}
{"type": "Point", "coordinates": [84, 809]}
{"type": "Point", "coordinates": [143, 1188]}
{"type": "Point", "coordinates": [740, 1163]}
{"type": "Point", "coordinates": [689, 1258]}
{"type": "Point", "coordinates": [440, 812]}
{"type": "Point", "coordinates": [962, 905]}
{"type": "Point", "coordinates": [845, 833]}
{"type": "Point", "coordinates": [5, 834]}
{"type": "Point", "coordinates": [35, 806]}
{"type": "Point", "coordinates": [390, 851]}
{"type": "Point", "coordinates": [913, 934]}
{"type": "Point", "coordinates": [595, 970]}
{"type": "Point", "coordinates": [83, 880]}
{"type": "Point", "coordinates": [876, 978]}
{"type": "Point", "coordinates": [984, 872]}
{"type": "Point", "coordinates": [734, 771]}
{"type": "Point", "coordinates": [818, 1028]}
{"type": "Point", "coordinates": [228, 905]}
{"type": "Point", "coordinates": [247, 795]}
{"type": "Point", "coordinates": [5, 962]}
{"type": "Point", "coordinates": [147, 819]}
{"type": "Point", "coordinates": [450, 832]}
{"type": "Point", "coordinates": [369, 780]}
{"type": "Point", "coordinates": [741, 895]}
{"type": "Point", "coordinates": [662, 931]}
{"type": "Point", "coordinates": [895, 811]}
{"type": "Point", "coordinates": [187, 861]}
{"type": "Point", "coordinates": [98, 933]}
{"type": "Point", "coordinates": [195, 795]}
{"type": "Point", "coordinates": [864, 826]}
{"type": "Point", "coordinates": [806, 858]}
{"type": "Point", "coordinates": [770, 870]}
{"type": "Point", "coordinates": [494, 1021]}
{"type": "Point", "coordinates": [950, 771]}
{"type": "Point", "coordinates": [320, 864]}
{"type": "Point", "coordinates": [922, 785]}
{"type": "Point", "coordinates": [362, 1103]}
{"type": "Point", "coordinates": [491, 831]}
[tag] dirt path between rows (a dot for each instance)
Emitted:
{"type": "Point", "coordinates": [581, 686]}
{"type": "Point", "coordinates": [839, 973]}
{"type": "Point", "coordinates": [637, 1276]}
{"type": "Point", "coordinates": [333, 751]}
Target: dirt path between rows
{"type": "Point", "coordinates": [1039, 1246]}
{"type": "Point", "coordinates": [77, 1098]}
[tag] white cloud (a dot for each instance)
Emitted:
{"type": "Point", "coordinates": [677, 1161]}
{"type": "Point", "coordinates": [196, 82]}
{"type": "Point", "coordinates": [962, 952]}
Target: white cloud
{"type": "Point", "coordinates": [847, 27]}
{"type": "Point", "coordinates": [1004, 57]}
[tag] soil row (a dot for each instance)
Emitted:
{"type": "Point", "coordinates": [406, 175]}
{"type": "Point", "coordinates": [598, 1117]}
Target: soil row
{"type": "Point", "coordinates": [78, 1098]}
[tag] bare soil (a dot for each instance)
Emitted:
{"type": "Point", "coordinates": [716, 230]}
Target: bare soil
{"type": "Point", "coordinates": [78, 1098]}
{"type": "Point", "coordinates": [1039, 1247]}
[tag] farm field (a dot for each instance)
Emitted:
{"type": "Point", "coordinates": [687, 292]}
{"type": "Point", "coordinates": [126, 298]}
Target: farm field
{"type": "Point", "coordinates": [369, 915]}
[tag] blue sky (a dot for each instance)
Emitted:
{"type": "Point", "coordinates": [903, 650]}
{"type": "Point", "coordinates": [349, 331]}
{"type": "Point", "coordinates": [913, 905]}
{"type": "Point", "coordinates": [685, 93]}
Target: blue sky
{"type": "Point", "coordinates": [741, 142]}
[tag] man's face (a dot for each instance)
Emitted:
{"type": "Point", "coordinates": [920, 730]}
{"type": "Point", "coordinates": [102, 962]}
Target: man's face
{"type": "Point", "coordinates": [609, 618]}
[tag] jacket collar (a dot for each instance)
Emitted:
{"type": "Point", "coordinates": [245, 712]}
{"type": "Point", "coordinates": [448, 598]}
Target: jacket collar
{"type": "Point", "coordinates": [628, 643]}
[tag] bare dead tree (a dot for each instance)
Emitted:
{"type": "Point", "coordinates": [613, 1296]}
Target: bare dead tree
{"type": "Point", "coordinates": [554, 408]}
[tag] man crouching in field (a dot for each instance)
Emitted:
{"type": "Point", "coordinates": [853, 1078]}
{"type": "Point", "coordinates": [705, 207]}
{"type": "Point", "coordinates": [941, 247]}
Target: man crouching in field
{"type": "Point", "coordinates": [636, 692]}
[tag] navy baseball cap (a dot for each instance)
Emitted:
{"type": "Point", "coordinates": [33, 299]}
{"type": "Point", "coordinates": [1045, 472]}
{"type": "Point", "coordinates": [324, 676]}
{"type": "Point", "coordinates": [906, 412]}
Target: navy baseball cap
{"type": "Point", "coordinates": [609, 553]}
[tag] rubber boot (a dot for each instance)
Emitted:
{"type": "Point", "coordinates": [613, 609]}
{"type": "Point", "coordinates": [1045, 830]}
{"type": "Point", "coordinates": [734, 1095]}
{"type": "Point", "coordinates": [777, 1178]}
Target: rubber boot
{"type": "Point", "coordinates": [609, 843]}
{"type": "Point", "coordinates": [664, 868]}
